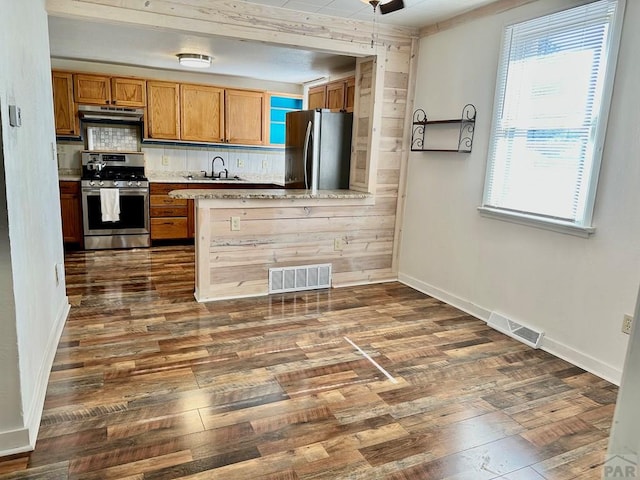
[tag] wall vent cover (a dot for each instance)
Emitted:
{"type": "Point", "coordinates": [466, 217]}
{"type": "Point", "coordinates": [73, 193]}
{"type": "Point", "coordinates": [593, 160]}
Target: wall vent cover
{"type": "Point", "coordinates": [522, 333]}
{"type": "Point", "coordinates": [303, 277]}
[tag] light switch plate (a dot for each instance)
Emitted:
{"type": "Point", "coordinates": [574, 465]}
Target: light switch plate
{"type": "Point", "coordinates": [15, 116]}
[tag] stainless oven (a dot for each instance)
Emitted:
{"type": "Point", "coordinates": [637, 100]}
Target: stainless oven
{"type": "Point", "coordinates": [121, 176]}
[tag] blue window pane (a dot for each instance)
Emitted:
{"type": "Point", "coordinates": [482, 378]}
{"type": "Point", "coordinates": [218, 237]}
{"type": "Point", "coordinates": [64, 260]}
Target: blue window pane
{"type": "Point", "coordinates": [285, 102]}
{"type": "Point", "coordinates": [277, 133]}
{"type": "Point", "coordinates": [278, 115]}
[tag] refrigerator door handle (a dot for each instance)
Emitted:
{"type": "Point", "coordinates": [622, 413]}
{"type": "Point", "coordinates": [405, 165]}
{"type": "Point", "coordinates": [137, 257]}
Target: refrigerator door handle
{"type": "Point", "coordinates": [305, 153]}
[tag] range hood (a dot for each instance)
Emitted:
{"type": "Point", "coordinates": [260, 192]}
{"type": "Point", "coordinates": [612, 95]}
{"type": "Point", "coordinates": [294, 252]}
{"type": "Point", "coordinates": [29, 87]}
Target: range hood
{"type": "Point", "coordinates": [112, 114]}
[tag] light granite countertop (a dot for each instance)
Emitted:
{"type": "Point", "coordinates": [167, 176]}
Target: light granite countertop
{"type": "Point", "coordinates": [276, 193]}
{"type": "Point", "coordinates": [191, 177]}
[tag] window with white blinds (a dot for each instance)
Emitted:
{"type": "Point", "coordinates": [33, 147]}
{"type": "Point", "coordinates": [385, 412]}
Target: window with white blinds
{"type": "Point", "coordinates": [552, 96]}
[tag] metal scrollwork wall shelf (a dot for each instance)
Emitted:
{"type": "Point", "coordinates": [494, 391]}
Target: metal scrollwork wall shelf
{"type": "Point", "coordinates": [467, 122]}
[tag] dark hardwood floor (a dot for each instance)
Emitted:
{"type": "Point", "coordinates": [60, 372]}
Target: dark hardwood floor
{"type": "Point", "coordinates": [148, 384]}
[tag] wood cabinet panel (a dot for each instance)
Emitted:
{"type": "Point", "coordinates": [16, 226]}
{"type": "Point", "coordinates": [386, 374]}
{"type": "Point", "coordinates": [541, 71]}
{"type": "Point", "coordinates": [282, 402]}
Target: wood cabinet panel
{"type": "Point", "coordinates": [106, 90]}
{"type": "Point", "coordinates": [128, 92]}
{"type": "Point", "coordinates": [92, 89]}
{"type": "Point", "coordinates": [350, 94]}
{"type": "Point", "coordinates": [156, 188]}
{"type": "Point", "coordinates": [201, 113]}
{"type": "Point", "coordinates": [245, 117]}
{"type": "Point", "coordinates": [317, 97]}
{"type": "Point", "coordinates": [335, 96]}
{"type": "Point", "coordinates": [168, 211]}
{"type": "Point", "coordinates": [64, 107]}
{"type": "Point", "coordinates": [162, 110]}
{"type": "Point", "coordinates": [165, 201]}
{"type": "Point", "coordinates": [169, 216]}
{"type": "Point", "coordinates": [169, 228]}
{"type": "Point", "coordinates": [71, 212]}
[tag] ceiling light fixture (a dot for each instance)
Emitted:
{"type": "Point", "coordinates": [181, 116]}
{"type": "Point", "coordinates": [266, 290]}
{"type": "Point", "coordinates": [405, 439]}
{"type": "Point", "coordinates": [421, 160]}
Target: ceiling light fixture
{"type": "Point", "coordinates": [194, 60]}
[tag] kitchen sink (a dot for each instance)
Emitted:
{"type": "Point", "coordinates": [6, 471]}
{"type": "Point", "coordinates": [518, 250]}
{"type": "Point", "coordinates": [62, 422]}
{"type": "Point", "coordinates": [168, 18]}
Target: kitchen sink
{"type": "Point", "coordinates": [235, 178]}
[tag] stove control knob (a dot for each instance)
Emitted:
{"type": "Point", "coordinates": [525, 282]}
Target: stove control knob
{"type": "Point", "coordinates": [101, 183]}
{"type": "Point", "coordinates": [138, 183]}
{"type": "Point", "coordinates": [115, 183]}
{"type": "Point", "coordinates": [91, 183]}
{"type": "Point", "coordinates": [130, 183]}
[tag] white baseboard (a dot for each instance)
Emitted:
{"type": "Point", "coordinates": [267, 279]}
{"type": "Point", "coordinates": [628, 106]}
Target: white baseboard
{"type": "Point", "coordinates": [582, 360]}
{"type": "Point", "coordinates": [558, 349]}
{"type": "Point", "coordinates": [24, 439]}
{"type": "Point", "coordinates": [446, 297]}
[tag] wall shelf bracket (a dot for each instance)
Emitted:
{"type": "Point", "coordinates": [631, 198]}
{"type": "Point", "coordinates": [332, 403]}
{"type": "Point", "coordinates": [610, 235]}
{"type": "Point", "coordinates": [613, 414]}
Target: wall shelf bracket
{"type": "Point", "coordinates": [465, 126]}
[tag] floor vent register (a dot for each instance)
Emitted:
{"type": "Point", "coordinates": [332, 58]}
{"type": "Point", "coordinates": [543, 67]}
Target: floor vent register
{"type": "Point", "coordinates": [295, 279]}
{"type": "Point", "coordinates": [524, 334]}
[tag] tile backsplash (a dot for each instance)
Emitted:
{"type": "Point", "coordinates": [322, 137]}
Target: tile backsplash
{"type": "Point", "coordinates": [260, 164]}
{"type": "Point", "coordinates": [121, 138]}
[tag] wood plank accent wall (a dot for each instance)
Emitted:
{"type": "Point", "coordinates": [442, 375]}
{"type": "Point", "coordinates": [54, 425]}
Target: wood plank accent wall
{"type": "Point", "coordinates": [382, 106]}
{"type": "Point", "coordinates": [282, 233]}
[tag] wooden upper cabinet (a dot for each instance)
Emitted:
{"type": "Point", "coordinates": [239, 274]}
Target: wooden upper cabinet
{"type": "Point", "coordinates": [245, 111]}
{"type": "Point", "coordinates": [64, 108]}
{"type": "Point", "coordinates": [163, 110]}
{"type": "Point", "coordinates": [128, 92]}
{"type": "Point", "coordinates": [92, 89]}
{"type": "Point", "coordinates": [202, 113]}
{"type": "Point", "coordinates": [350, 94]}
{"type": "Point", "coordinates": [335, 96]}
{"type": "Point", "coordinates": [104, 90]}
{"type": "Point", "coordinates": [317, 97]}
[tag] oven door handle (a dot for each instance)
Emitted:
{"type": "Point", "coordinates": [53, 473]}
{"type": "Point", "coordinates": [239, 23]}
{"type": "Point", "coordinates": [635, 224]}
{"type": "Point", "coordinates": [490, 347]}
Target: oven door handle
{"type": "Point", "coordinates": [123, 191]}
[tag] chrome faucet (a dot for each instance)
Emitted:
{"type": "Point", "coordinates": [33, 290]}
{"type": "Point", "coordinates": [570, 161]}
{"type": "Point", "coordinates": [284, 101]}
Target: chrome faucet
{"type": "Point", "coordinates": [213, 173]}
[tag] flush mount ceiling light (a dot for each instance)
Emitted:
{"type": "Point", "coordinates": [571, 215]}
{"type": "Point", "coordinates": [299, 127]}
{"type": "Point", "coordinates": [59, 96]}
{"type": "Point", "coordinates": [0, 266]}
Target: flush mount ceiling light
{"type": "Point", "coordinates": [194, 60]}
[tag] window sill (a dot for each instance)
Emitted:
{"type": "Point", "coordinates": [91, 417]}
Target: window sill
{"type": "Point", "coordinates": [537, 222]}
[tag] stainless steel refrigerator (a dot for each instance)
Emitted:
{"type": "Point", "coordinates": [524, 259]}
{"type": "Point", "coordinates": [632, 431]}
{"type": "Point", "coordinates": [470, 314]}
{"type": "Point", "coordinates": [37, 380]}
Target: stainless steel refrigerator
{"type": "Point", "coordinates": [318, 149]}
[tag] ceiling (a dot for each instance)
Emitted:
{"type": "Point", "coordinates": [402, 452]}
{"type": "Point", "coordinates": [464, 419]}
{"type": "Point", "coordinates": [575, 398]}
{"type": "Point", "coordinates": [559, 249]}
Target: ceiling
{"type": "Point", "coordinates": [124, 44]}
{"type": "Point", "coordinates": [417, 13]}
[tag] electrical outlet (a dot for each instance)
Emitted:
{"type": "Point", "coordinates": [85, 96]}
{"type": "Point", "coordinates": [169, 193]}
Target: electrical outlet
{"type": "Point", "coordinates": [265, 164]}
{"type": "Point", "coordinates": [165, 160]}
{"type": "Point", "coordinates": [627, 321]}
{"type": "Point", "coordinates": [240, 163]}
{"type": "Point", "coordinates": [338, 243]}
{"type": "Point", "coordinates": [235, 224]}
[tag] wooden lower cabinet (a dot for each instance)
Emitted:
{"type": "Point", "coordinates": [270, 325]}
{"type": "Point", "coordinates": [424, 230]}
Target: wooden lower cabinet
{"type": "Point", "coordinates": [174, 218]}
{"type": "Point", "coordinates": [168, 216]}
{"type": "Point", "coordinates": [169, 228]}
{"type": "Point", "coordinates": [71, 211]}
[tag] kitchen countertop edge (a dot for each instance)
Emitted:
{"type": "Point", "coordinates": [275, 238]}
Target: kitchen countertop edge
{"type": "Point", "coordinates": [276, 193]}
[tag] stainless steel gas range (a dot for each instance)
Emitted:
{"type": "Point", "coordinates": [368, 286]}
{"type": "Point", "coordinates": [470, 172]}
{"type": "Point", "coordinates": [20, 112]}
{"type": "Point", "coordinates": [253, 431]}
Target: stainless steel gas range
{"type": "Point", "coordinates": [114, 181]}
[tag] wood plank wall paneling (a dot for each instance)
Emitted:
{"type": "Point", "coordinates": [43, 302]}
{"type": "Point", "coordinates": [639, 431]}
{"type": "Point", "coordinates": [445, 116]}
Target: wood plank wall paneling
{"type": "Point", "coordinates": [282, 236]}
{"type": "Point", "coordinates": [382, 106]}
{"type": "Point", "coordinates": [362, 127]}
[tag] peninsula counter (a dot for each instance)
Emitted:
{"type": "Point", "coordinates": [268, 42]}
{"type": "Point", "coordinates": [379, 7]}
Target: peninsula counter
{"type": "Point", "coordinates": [241, 233]}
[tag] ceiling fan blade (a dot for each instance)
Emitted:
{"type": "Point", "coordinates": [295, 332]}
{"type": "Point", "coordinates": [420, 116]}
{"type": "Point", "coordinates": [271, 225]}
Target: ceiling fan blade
{"type": "Point", "coordinates": [392, 6]}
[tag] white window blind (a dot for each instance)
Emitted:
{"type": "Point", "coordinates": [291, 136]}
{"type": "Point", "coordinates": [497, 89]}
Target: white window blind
{"type": "Point", "coordinates": [552, 99]}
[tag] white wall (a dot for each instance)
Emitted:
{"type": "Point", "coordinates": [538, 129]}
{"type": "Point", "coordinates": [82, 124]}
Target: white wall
{"type": "Point", "coordinates": [10, 413]}
{"type": "Point", "coordinates": [624, 443]}
{"type": "Point", "coordinates": [574, 289]}
{"type": "Point", "coordinates": [34, 226]}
